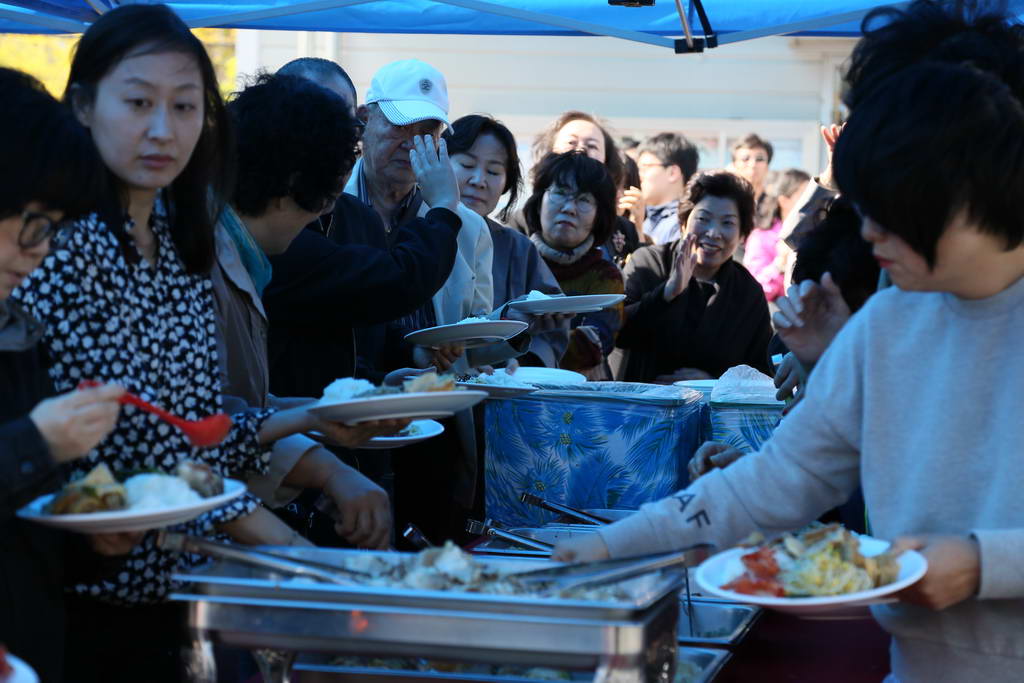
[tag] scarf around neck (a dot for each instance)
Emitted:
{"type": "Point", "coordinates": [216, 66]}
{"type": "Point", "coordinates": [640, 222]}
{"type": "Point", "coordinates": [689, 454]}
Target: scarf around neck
{"type": "Point", "coordinates": [255, 260]}
{"type": "Point", "coordinates": [18, 330]}
{"type": "Point", "coordinates": [559, 255]}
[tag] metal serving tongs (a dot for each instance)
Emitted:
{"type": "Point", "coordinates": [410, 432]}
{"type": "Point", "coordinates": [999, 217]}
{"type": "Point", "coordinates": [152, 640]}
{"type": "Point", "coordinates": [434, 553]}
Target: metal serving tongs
{"type": "Point", "coordinates": [489, 528]}
{"type": "Point", "coordinates": [565, 510]}
{"type": "Point", "coordinates": [590, 574]}
{"type": "Point", "coordinates": [169, 540]}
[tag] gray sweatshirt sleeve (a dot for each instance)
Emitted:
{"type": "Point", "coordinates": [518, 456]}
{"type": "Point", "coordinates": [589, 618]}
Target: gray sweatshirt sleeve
{"type": "Point", "coordinates": [810, 464]}
{"type": "Point", "coordinates": [1002, 573]}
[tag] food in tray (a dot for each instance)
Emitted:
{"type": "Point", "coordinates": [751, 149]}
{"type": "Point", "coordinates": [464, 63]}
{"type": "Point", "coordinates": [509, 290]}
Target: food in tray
{"type": "Point", "coordinates": [500, 378]}
{"type": "Point", "coordinates": [474, 319]}
{"type": "Point", "coordinates": [449, 568]}
{"type": "Point", "coordinates": [534, 295]}
{"type": "Point", "coordinates": [101, 491]}
{"type": "Point", "coordinates": [349, 388]}
{"type": "Point", "coordinates": [819, 561]}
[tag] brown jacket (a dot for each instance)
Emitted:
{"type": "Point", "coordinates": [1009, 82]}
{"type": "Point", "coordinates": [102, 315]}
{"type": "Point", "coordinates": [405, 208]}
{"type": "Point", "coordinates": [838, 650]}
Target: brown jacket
{"type": "Point", "coordinates": [244, 366]}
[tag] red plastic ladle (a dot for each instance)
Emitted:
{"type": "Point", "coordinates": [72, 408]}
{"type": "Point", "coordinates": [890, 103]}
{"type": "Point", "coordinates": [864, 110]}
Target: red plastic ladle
{"type": "Point", "coordinates": [203, 433]}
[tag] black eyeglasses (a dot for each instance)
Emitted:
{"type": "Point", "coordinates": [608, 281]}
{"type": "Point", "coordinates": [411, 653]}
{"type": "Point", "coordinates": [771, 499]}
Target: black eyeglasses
{"type": "Point", "coordinates": [36, 228]}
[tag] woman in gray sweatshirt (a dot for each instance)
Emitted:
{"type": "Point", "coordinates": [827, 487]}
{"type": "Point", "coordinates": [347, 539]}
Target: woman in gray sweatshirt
{"type": "Point", "coordinates": [919, 398]}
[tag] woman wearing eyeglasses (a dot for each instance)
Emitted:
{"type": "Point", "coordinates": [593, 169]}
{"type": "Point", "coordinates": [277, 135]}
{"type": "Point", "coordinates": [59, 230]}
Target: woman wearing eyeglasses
{"type": "Point", "coordinates": [50, 163]}
{"type": "Point", "coordinates": [569, 216]}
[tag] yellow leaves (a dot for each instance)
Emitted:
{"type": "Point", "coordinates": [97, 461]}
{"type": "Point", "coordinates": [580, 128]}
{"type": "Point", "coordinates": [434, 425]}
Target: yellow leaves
{"type": "Point", "coordinates": [48, 57]}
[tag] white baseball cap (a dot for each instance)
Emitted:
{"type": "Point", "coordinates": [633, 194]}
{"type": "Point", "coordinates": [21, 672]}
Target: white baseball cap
{"type": "Point", "coordinates": [409, 91]}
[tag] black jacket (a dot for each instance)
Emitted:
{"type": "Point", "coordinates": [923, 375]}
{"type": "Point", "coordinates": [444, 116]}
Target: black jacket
{"type": "Point", "coordinates": [699, 329]}
{"type": "Point", "coordinates": [31, 556]}
{"type": "Point", "coordinates": [324, 286]}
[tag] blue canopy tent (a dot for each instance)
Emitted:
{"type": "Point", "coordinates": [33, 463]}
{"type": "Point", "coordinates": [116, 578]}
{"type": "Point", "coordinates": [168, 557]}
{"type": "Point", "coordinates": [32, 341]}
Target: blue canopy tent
{"type": "Point", "coordinates": [727, 21]}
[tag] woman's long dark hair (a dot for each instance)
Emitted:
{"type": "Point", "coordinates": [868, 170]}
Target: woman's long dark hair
{"type": "Point", "coordinates": [194, 199]}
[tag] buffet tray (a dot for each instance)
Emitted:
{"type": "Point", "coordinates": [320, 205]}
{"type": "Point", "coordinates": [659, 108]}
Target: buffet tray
{"type": "Point", "coordinates": [717, 624]}
{"type": "Point", "coordinates": [224, 578]}
{"type": "Point", "coordinates": [695, 665]}
{"type": "Point", "coordinates": [728, 621]}
{"type": "Point", "coordinates": [253, 608]}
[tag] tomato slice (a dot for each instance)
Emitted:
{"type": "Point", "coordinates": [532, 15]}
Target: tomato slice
{"type": "Point", "coordinates": [753, 585]}
{"type": "Point", "coordinates": [761, 563]}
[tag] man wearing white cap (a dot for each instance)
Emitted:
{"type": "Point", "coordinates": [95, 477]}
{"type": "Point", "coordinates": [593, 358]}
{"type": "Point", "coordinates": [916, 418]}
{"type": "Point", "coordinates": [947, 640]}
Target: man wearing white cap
{"type": "Point", "coordinates": [409, 98]}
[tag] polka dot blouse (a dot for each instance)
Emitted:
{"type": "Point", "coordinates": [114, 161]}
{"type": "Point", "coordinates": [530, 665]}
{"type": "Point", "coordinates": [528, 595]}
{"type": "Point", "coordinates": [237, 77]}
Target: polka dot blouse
{"type": "Point", "coordinates": [149, 327]}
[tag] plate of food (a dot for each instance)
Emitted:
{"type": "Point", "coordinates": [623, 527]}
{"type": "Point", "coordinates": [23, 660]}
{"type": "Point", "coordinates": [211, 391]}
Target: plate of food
{"type": "Point", "coordinates": [471, 333]}
{"type": "Point", "coordinates": [499, 385]}
{"type": "Point", "coordinates": [14, 670]}
{"type": "Point", "coordinates": [538, 303]}
{"type": "Point", "coordinates": [532, 375]}
{"type": "Point", "coordinates": [426, 397]}
{"type": "Point", "coordinates": [103, 503]}
{"type": "Point", "coordinates": [420, 430]}
{"type": "Point", "coordinates": [823, 569]}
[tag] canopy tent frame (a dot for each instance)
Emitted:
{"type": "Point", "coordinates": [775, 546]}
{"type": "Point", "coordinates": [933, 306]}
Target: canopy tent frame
{"type": "Point", "coordinates": [735, 20]}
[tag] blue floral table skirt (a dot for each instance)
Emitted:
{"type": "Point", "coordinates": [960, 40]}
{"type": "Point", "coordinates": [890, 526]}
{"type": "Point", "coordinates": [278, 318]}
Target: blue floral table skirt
{"type": "Point", "coordinates": [598, 445]}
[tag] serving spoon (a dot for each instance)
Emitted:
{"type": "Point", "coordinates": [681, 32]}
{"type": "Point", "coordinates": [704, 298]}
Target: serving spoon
{"type": "Point", "coordinates": [203, 433]}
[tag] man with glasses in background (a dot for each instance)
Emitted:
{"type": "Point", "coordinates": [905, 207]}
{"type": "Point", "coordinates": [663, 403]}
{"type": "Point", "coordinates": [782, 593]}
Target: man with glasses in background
{"type": "Point", "coordinates": [666, 161]}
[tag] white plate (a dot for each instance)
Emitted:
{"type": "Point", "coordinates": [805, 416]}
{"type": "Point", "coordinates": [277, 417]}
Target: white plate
{"type": "Point", "coordinates": [470, 335]}
{"type": "Point", "coordinates": [697, 384]}
{"type": "Point", "coordinates": [129, 520]}
{"type": "Point", "coordinates": [428, 429]}
{"type": "Point", "coordinates": [534, 375]}
{"type": "Point", "coordinates": [720, 569]}
{"type": "Point", "coordinates": [428, 405]}
{"type": "Point", "coordinates": [23, 673]}
{"type": "Point", "coordinates": [587, 303]}
{"type": "Point", "coordinates": [497, 390]}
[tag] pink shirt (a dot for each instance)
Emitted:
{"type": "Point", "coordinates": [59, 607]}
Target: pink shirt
{"type": "Point", "coordinates": [759, 258]}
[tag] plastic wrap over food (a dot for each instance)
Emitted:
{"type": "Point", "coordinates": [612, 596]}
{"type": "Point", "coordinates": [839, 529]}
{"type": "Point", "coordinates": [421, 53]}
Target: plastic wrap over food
{"type": "Point", "coordinates": [744, 384]}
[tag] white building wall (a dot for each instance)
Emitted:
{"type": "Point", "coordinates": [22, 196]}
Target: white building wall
{"type": "Point", "coordinates": [782, 88]}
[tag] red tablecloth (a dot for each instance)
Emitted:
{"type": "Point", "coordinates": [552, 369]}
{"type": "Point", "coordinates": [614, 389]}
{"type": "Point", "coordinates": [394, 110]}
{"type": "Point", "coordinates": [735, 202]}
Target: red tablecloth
{"type": "Point", "coordinates": [784, 648]}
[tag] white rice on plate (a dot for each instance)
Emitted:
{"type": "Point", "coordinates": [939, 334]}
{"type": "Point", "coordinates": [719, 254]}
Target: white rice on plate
{"type": "Point", "coordinates": [347, 388]}
{"type": "Point", "coordinates": [156, 491]}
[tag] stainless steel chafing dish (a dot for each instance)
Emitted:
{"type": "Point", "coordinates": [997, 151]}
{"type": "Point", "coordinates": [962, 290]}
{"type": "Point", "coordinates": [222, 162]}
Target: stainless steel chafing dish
{"type": "Point", "coordinates": [694, 665]}
{"type": "Point", "coordinates": [715, 622]}
{"type": "Point", "coordinates": [626, 640]}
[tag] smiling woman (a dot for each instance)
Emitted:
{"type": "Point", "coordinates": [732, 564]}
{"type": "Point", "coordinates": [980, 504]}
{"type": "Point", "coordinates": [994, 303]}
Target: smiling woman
{"type": "Point", "coordinates": [691, 311]}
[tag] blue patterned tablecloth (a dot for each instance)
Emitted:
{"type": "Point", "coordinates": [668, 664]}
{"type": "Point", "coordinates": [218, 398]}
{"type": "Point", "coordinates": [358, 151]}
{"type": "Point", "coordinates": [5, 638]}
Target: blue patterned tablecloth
{"type": "Point", "coordinates": [744, 426]}
{"type": "Point", "coordinates": [596, 445]}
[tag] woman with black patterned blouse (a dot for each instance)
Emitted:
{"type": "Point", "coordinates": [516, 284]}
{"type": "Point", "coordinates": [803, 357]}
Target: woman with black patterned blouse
{"type": "Point", "coordinates": [127, 298]}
